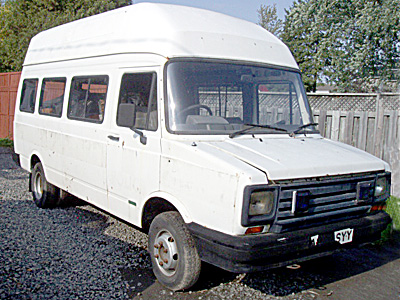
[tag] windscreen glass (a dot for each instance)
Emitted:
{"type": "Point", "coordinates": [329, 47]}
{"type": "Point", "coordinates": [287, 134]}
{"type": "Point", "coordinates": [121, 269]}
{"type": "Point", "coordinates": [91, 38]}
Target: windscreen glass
{"type": "Point", "coordinates": [222, 98]}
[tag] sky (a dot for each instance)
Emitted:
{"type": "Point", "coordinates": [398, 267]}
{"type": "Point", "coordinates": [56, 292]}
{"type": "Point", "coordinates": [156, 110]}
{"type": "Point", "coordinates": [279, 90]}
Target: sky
{"type": "Point", "coordinates": [243, 9]}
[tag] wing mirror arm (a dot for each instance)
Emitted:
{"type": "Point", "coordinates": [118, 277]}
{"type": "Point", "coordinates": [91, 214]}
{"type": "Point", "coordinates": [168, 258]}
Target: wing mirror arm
{"type": "Point", "coordinates": [143, 139]}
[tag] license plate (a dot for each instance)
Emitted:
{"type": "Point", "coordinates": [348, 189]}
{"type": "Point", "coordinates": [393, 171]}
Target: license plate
{"type": "Point", "coordinates": [344, 236]}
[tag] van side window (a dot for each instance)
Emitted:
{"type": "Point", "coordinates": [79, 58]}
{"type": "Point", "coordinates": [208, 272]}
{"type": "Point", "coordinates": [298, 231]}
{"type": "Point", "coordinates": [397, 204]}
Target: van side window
{"type": "Point", "coordinates": [52, 96]}
{"type": "Point", "coordinates": [28, 95]}
{"type": "Point", "coordinates": [140, 89]}
{"type": "Point", "coordinates": [87, 98]}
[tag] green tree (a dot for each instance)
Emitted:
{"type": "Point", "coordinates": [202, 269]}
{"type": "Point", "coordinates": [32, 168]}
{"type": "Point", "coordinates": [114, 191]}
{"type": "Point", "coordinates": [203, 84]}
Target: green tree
{"type": "Point", "coordinates": [268, 19]}
{"type": "Point", "coordinates": [304, 40]}
{"type": "Point", "coordinates": [20, 20]}
{"type": "Point", "coordinates": [352, 44]}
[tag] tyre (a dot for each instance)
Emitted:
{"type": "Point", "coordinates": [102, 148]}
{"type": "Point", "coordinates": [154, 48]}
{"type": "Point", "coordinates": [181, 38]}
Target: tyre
{"type": "Point", "coordinates": [44, 194]}
{"type": "Point", "coordinates": [176, 262]}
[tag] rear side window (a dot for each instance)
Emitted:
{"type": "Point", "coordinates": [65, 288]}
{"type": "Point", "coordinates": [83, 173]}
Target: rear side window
{"type": "Point", "coordinates": [141, 90]}
{"type": "Point", "coordinates": [52, 96]}
{"type": "Point", "coordinates": [28, 95]}
{"type": "Point", "coordinates": [87, 98]}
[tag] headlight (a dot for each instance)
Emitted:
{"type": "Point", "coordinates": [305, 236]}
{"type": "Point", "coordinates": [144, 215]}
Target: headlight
{"type": "Point", "coordinates": [261, 203]}
{"type": "Point", "coordinates": [382, 187]}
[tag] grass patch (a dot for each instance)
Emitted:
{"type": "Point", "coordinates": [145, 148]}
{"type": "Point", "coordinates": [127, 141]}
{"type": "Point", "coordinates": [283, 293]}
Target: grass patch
{"type": "Point", "coordinates": [6, 143]}
{"type": "Point", "coordinates": [393, 209]}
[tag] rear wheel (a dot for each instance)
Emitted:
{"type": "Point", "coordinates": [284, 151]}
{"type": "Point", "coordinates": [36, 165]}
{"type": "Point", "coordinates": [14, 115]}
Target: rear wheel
{"type": "Point", "coordinates": [44, 193]}
{"type": "Point", "coordinates": [173, 252]}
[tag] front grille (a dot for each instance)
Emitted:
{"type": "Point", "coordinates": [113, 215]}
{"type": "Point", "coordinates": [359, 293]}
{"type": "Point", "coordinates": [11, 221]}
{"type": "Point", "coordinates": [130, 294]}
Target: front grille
{"type": "Point", "coordinates": [328, 200]}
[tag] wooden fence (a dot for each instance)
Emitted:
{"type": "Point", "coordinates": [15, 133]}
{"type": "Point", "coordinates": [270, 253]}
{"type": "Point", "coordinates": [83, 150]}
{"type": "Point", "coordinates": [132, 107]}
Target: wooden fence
{"type": "Point", "coordinates": [376, 132]}
{"type": "Point", "coordinates": [8, 94]}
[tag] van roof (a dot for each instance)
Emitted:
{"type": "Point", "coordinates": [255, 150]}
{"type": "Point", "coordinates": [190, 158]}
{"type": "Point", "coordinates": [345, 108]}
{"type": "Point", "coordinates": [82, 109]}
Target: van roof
{"type": "Point", "coordinates": [162, 29]}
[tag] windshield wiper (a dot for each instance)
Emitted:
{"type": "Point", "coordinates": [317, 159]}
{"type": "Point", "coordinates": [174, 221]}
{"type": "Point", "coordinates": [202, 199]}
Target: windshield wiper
{"type": "Point", "coordinates": [242, 131]}
{"type": "Point", "coordinates": [301, 128]}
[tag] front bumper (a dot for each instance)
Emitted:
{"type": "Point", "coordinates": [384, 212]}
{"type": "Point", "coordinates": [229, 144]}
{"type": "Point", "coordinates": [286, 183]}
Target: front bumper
{"type": "Point", "coordinates": [243, 254]}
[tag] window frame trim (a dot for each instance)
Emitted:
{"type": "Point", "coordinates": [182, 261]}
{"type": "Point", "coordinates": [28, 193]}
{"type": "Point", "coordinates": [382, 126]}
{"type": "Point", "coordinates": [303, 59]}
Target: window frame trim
{"type": "Point", "coordinates": [35, 98]}
{"type": "Point", "coordinates": [153, 87]}
{"type": "Point", "coordinates": [41, 100]}
{"type": "Point", "coordinates": [221, 61]}
{"type": "Point", "coordinates": [84, 119]}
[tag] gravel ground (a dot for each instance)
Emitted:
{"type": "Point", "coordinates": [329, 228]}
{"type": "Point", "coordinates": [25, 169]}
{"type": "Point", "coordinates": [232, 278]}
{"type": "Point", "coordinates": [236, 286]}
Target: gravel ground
{"type": "Point", "coordinates": [82, 253]}
{"type": "Point", "coordinates": [63, 253]}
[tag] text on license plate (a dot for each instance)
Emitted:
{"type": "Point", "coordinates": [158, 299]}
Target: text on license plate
{"type": "Point", "coordinates": [344, 236]}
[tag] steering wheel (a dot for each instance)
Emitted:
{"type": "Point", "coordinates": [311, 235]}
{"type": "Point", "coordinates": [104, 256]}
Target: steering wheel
{"type": "Point", "coordinates": [195, 106]}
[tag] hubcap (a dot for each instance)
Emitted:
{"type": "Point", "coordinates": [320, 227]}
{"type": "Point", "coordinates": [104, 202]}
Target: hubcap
{"type": "Point", "coordinates": [38, 186]}
{"type": "Point", "coordinates": [166, 252]}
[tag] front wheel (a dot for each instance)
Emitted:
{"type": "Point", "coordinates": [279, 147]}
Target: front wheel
{"type": "Point", "coordinates": [44, 193]}
{"type": "Point", "coordinates": [173, 252]}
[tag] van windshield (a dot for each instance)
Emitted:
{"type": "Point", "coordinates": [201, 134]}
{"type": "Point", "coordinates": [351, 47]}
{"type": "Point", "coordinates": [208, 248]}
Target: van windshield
{"type": "Point", "coordinates": [227, 98]}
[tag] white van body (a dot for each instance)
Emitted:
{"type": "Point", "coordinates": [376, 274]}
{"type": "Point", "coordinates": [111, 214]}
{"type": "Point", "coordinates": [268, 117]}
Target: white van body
{"type": "Point", "coordinates": [201, 169]}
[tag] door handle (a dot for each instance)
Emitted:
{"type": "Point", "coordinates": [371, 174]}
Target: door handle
{"type": "Point", "coordinates": [114, 138]}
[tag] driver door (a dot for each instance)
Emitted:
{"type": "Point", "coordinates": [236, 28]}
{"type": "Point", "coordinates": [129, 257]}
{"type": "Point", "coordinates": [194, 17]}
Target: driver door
{"type": "Point", "coordinates": [133, 150]}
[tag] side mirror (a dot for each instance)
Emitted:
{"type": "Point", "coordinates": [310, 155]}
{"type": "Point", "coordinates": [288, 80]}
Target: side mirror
{"type": "Point", "coordinates": [126, 115]}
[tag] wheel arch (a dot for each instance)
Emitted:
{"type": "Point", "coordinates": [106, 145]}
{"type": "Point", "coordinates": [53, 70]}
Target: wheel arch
{"type": "Point", "coordinates": [33, 161]}
{"type": "Point", "coordinates": [158, 204]}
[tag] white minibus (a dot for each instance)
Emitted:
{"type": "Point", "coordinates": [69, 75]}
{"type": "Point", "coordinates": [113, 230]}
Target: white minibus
{"type": "Point", "coordinates": [195, 127]}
